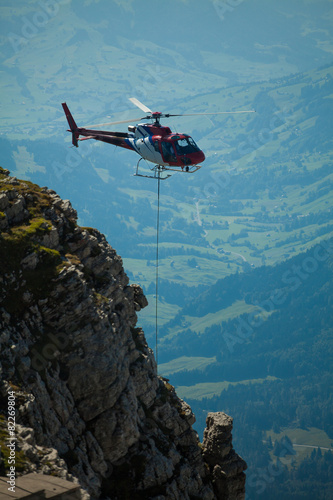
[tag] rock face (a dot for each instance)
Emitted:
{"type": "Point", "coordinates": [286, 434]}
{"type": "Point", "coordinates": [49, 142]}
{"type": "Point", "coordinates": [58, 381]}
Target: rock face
{"type": "Point", "coordinates": [226, 467]}
{"type": "Point", "coordinates": [89, 404]}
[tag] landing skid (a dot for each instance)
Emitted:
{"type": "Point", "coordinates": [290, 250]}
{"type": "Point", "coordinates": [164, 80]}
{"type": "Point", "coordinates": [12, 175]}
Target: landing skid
{"type": "Point", "coordinates": [157, 169]}
{"type": "Point", "coordinates": [160, 169]}
{"type": "Point", "coordinates": [185, 170]}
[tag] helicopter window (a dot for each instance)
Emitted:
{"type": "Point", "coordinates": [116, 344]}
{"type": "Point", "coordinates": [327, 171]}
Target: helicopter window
{"type": "Point", "coordinates": [186, 146]}
{"type": "Point", "coordinates": [156, 146]}
{"type": "Point", "coordinates": [168, 151]}
{"type": "Point", "coordinates": [193, 144]}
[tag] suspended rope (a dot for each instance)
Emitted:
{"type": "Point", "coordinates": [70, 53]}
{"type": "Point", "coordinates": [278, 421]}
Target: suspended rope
{"type": "Point", "coordinates": [157, 237]}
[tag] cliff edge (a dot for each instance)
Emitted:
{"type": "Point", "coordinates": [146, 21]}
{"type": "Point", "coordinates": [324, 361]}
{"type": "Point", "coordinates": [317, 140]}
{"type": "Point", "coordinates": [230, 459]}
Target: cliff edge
{"type": "Point", "coordinates": [89, 405]}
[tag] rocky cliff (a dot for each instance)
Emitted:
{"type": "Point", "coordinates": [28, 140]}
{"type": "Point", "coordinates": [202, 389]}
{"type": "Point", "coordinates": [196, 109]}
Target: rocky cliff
{"type": "Point", "coordinates": [89, 404]}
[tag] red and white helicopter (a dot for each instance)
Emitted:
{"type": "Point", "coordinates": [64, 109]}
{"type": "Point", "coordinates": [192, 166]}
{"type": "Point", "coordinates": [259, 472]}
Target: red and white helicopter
{"type": "Point", "coordinates": [152, 141]}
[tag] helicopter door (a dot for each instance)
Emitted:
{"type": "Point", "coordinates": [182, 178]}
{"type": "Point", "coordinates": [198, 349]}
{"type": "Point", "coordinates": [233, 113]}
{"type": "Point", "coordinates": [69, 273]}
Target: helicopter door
{"type": "Point", "coordinates": [168, 152]}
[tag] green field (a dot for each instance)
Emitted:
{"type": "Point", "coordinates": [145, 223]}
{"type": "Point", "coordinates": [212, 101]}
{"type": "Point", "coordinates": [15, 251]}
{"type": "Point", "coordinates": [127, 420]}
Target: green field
{"type": "Point", "coordinates": [304, 441]}
{"type": "Point", "coordinates": [185, 363]}
{"type": "Point", "coordinates": [262, 196]}
{"type": "Point", "coordinates": [209, 390]}
{"type": "Point", "coordinates": [199, 324]}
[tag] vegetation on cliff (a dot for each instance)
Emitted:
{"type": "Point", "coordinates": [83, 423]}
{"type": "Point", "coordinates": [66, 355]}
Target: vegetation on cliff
{"type": "Point", "coordinates": [90, 405]}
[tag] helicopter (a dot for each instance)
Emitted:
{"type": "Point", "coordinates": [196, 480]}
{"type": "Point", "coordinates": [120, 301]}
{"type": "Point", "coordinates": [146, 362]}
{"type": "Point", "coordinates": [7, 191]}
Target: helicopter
{"type": "Point", "coordinates": [152, 141]}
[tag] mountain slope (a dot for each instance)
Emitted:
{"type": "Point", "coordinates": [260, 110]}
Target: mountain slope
{"type": "Point", "coordinates": [88, 403]}
{"type": "Point", "coordinates": [266, 355]}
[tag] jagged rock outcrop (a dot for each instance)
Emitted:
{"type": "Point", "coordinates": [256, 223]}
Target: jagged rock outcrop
{"type": "Point", "coordinates": [90, 406]}
{"type": "Point", "coordinates": [226, 467]}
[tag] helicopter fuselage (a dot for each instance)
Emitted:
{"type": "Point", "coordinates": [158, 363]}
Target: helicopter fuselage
{"type": "Point", "coordinates": [159, 145]}
{"type": "Point", "coordinates": [153, 142]}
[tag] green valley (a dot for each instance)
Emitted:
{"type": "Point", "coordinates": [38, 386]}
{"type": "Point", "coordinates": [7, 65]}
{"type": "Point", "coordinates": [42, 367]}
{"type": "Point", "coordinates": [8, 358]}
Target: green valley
{"type": "Point", "coordinates": [245, 244]}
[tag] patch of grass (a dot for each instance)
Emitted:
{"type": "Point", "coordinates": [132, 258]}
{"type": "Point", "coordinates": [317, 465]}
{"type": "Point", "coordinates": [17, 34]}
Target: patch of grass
{"type": "Point", "coordinates": [73, 259]}
{"type": "Point", "coordinates": [166, 391]}
{"type": "Point", "coordinates": [37, 281]}
{"type": "Point", "coordinates": [23, 240]}
{"type": "Point", "coordinates": [90, 230]}
{"type": "Point", "coordinates": [211, 389]}
{"type": "Point", "coordinates": [20, 240]}
{"type": "Point", "coordinates": [100, 299]}
{"type": "Point", "coordinates": [185, 363]}
{"type": "Point", "coordinates": [304, 441]}
{"type": "Point", "coordinates": [199, 324]}
{"type": "Point", "coordinates": [3, 173]}
{"type": "Point", "coordinates": [21, 460]}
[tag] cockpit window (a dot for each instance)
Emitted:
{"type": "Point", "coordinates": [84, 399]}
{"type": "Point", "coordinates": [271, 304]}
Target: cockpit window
{"type": "Point", "coordinates": [186, 146]}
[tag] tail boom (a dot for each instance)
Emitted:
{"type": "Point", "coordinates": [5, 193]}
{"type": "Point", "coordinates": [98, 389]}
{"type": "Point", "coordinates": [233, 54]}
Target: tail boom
{"type": "Point", "coordinates": [121, 139]}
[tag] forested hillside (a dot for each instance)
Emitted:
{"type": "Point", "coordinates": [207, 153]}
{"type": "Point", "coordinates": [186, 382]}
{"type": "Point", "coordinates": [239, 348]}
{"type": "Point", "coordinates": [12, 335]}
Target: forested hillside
{"type": "Point", "coordinates": [244, 305]}
{"type": "Point", "coordinates": [269, 367]}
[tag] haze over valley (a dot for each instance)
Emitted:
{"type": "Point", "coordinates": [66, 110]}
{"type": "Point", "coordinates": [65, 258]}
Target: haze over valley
{"type": "Point", "coordinates": [246, 242]}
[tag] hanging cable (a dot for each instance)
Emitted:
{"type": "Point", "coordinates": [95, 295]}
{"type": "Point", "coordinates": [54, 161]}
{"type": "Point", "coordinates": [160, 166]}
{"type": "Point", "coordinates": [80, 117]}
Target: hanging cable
{"type": "Point", "coordinates": [157, 237]}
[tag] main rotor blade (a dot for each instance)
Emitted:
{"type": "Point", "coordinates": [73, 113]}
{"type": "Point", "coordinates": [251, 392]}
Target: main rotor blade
{"type": "Point", "coordinates": [217, 113]}
{"type": "Point", "coordinates": [115, 123]}
{"type": "Point", "coordinates": [167, 115]}
{"type": "Point", "coordinates": [139, 104]}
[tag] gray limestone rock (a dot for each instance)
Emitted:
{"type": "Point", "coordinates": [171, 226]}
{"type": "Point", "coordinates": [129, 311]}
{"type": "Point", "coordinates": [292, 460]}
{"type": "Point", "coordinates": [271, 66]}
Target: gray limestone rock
{"type": "Point", "coordinates": [91, 407]}
{"type": "Point", "coordinates": [225, 465]}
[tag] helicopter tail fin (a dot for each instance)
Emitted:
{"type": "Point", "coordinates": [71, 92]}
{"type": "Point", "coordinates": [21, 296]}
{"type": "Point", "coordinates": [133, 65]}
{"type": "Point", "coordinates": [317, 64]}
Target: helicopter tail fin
{"type": "Point", "coordinates": [72, 125]}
